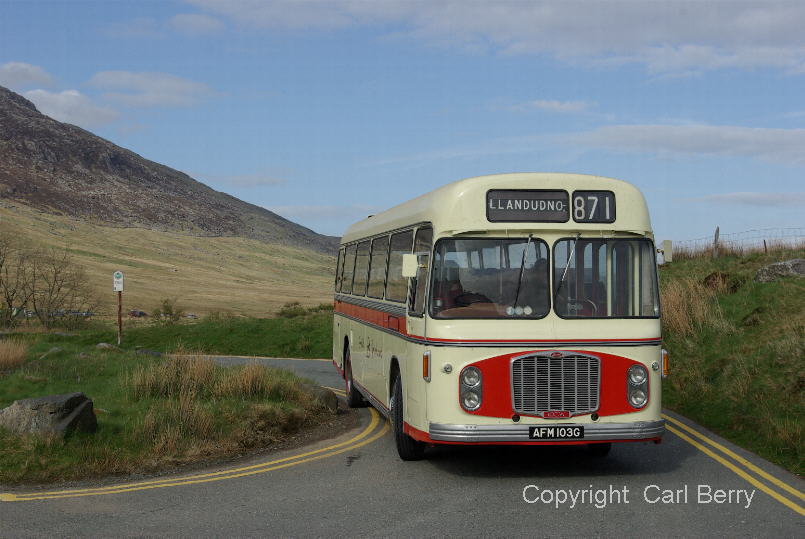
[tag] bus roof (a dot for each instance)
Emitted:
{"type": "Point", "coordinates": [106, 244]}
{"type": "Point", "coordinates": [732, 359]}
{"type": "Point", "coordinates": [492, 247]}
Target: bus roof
{"type": "Point", "coordinates": [460, 206]}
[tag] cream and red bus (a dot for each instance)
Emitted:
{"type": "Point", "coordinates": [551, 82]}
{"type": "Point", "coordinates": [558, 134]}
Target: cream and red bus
{"type": "Point", "coordinates": [505, 309]}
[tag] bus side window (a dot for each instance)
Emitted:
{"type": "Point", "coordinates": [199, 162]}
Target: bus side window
{"type": "Point", "coordinates": [422, 246]}
{"type": "Point", "coordinates": [377, 267]}
{"type": "Point", "coordinates": [338, 268]}
{"type": "Point", "coordinates": [361, 269]}
{"type": "Point", "coordinates": [396, 284]}
{"type": "Point", "coordinates": [349, 269]}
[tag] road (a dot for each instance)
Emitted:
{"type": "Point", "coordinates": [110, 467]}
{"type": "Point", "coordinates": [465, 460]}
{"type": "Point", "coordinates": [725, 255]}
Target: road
{"type": "Point", "coordinates": [356, 485]}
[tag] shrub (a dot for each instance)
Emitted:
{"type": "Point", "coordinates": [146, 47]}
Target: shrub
{"type": "Point", "coordinates": [295, 309]}
{"type": "Point", "coordinates": [12, 354]}
{"type": "Point", "coordinates": [292, 310]}
{"type": "Point", "coordinates": [168, 312]}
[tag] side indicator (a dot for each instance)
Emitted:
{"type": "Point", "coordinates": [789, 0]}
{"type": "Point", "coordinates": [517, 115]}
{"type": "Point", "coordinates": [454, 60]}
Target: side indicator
{"type": "Point", "coordinates": [666, 363]}
{"type": "Point", "coordinates": [426, 366]}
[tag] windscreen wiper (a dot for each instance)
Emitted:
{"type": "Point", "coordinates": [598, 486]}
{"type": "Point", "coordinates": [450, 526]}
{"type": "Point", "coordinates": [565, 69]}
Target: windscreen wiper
{"type": "Point", "coordinates": [522, 267]}
{"type": "Point", "coordinates": [564, 273]}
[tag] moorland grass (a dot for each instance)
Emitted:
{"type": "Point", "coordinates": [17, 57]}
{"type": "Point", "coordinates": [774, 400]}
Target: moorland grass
{"type": "Point", "coordinates": [153, 413]}
{"type": "Point", "coordinates": [738, 350]}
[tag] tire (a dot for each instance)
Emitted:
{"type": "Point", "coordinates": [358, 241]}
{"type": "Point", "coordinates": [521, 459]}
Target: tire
{"type": "Point", "coordinates": [354, 397]}
{"type": "Point", "coordinates": [599, 450]}
{"type": "Point", "coordinates": [407, 447]}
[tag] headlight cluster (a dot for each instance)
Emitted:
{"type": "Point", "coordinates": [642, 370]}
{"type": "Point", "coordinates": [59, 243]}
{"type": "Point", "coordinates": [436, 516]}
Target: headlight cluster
{"type": "Point", "coordinates": [637, 386]}
{"type": "Point", "coordinates": [471, 388]}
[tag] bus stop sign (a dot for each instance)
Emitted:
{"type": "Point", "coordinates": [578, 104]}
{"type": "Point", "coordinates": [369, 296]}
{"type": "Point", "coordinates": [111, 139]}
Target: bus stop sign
{"type": "Point", "coordinates": [117, 281]}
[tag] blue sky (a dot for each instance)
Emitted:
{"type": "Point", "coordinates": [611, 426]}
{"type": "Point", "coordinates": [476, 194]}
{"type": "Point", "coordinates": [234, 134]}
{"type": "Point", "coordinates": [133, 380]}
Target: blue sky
{"type": "Point", "coordinates": [327, 111]}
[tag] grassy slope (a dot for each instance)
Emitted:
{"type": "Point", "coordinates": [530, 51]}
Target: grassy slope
{"type": "Point", "coordinates": [744, 377]}
{"type": "Point", "coordinates": [206, 274]}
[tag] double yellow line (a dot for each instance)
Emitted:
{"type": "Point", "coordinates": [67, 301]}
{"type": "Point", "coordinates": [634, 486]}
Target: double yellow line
{"type": "Point", "coordinates": [372, 432]}
{"type": "Point", "coordinates": [792, 504]}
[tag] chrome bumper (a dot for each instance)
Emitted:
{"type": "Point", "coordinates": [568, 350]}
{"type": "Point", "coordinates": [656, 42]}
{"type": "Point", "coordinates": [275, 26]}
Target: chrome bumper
{"type": "Point", "coordinates": [519, 433]}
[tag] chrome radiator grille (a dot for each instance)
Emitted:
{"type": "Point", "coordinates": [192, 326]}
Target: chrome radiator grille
{"type": "Point", "coordinates": [570, 383]}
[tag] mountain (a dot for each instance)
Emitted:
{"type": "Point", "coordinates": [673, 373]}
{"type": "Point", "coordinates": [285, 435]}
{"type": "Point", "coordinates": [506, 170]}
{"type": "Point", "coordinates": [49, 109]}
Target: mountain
{"type": "Point", "coordinates": [64, 170]}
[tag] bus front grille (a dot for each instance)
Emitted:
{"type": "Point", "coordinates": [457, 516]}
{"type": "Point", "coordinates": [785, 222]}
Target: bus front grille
{"type": "Point", "coordinates": [567, 383]}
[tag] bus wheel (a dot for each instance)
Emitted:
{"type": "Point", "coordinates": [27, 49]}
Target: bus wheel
{"type": "Point", "coordinates": [354, 397]}
{"type": "Point", "coordinates": [599, 450]}
{"type": "Point", "coordinates": [407, 447]}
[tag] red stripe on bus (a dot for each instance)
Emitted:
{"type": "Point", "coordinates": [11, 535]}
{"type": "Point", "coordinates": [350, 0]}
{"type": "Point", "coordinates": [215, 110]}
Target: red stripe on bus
{"type": "Point", "coordinates": [372, 316]}
{"type": "Point", "coordinates": [397, 323]}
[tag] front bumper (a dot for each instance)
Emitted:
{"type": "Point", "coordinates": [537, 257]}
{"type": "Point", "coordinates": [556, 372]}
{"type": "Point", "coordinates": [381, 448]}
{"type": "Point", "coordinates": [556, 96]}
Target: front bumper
{"type": "Point", "coordinates": [594, 432]}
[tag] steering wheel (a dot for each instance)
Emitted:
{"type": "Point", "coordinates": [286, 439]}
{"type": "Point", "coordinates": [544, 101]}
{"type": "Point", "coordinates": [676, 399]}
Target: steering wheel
{"type": "Point", "coordinates": [468, 298]}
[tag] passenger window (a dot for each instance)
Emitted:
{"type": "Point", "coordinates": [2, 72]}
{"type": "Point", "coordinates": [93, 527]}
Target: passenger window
{"type": "Point", "coordinates": [396, 284]}
{"type": "Point", "coordinates": [422, 246]}
{"type": "Point", "coordinates": [338, 268]}
{"type": "Point", "coordinates": [349, 269]}
{"type": "Point", "coordinates": [377, 267]}
{"type": "Point", "coordinates": [361, 269]}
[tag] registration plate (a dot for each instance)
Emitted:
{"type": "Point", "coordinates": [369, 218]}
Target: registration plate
{"type": "Point", "coordinates": [556, 433]}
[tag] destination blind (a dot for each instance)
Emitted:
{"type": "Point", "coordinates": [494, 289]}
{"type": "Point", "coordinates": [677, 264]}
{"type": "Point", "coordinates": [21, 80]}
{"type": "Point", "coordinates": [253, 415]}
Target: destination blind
{"type": "Point", "coordinates": [532, 206]}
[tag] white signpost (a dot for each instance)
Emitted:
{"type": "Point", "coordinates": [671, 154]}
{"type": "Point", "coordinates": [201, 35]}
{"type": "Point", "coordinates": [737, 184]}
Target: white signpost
{"type": "Point", "coordinates": [117, 286]}
{"type": "Point", "coordinates": [117, 281]}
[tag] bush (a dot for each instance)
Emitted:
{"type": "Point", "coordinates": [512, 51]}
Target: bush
{"type": "Point", "coordinates": [295, 309]}
{"type": "Point", "coordinates": [168, 312]}
{"type": "Point", "coordinates": [12, 354]}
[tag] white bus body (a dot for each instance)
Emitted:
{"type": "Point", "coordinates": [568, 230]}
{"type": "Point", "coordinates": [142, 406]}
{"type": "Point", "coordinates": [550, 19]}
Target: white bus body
{"type": "Point", "coordinates": [533, 317]}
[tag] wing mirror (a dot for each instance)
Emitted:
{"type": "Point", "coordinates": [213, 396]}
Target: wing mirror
{"type": "Point", "coordinates": [410, 265]}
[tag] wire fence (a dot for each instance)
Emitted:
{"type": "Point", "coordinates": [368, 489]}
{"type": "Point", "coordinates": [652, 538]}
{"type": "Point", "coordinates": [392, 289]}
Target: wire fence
{"type": "Point", "coordinates": [745, 241]}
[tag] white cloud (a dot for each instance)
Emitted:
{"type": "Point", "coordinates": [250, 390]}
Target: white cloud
{"type": "Point", "coordinates": [147, 89]}
{"type": "Point", "coordinates": [549, 105]}
{"type": "Point", "coordinates": [769, 144]}
{"type": "Point", "coordinates": [17, 75]}
{"type": "Point", "coordinates": [775, 200]}
{"type": "Point", "coordinates": [196, 23]}
{"type": "Point", "coordinates": [667, 37]}
{"type": "Point", "coordinates": [73, 107]}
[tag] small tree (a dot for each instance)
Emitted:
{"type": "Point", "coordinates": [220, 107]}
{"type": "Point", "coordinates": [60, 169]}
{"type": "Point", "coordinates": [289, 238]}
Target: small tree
{"type": "Point", "coordinates": [16, 276]}
{"type": "Point", "coordinates": [59, 288]}
{"type": "Point", "coordinates": [168, 312]}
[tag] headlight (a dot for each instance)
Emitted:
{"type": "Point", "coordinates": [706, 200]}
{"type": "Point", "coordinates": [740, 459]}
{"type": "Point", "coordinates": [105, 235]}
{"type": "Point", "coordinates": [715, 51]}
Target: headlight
{"type": "Point", "coordinates": [471, 388]}
{"type": "Point", "coordinates": [637, 397]}
{"type": "Point", "coordinates": [471, 377]}
{"type": "Point", "coordinates": [637, 385]}
{"type": "Point", "coordinates": [471, 400]}
{"type": "Point", "coordinates": [637, 375]}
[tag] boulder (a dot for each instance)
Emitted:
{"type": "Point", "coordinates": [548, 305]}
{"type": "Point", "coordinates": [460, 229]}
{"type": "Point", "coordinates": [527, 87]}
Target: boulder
{"type": "Point", "coordinates": [787, 268]}
{"type": "Point", "coordinates": [105, 346]}
{"type": "Point", "coordinates": [52, 415]}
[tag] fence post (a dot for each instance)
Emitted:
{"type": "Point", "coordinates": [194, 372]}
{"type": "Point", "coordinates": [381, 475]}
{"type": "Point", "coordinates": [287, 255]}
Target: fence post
{"type": "Point", "coordinates": [715, 244]}
{"type": "Point", "coordinates": [765, 249]}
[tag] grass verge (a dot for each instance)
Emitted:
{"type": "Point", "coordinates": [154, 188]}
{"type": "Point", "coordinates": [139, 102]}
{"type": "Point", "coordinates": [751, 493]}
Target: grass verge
{"type": "Point", "coordinates": [305, 333]}
{"type": "Point", "coordinates": [737, 351]}
{"type": "Point", "coordinates": [153, 413]}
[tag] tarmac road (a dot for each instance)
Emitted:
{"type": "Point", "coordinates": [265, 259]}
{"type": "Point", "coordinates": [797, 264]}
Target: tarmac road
{"type": "Point", "coordinates": [356, 485]}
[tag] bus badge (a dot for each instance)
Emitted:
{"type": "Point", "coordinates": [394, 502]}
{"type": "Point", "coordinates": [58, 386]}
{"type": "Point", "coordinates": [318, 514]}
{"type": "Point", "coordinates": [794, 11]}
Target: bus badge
{"type": "Point", "coordinates": [555, 414]}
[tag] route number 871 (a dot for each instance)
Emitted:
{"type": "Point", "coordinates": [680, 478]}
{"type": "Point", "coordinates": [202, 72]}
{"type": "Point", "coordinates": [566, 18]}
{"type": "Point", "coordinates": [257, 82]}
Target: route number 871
{"type": "Point", "coordinates": [593, 206]}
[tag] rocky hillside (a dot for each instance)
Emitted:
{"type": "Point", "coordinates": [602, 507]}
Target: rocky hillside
{"type": "Point", "coordinates": [65, 170]}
